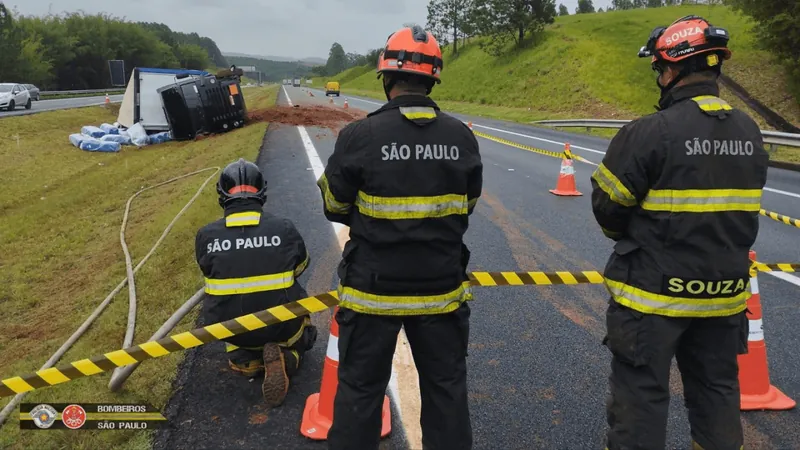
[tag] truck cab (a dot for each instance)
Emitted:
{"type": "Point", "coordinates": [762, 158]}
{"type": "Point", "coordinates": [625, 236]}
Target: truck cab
{"type": "Point", "coordinates": [296, 82]}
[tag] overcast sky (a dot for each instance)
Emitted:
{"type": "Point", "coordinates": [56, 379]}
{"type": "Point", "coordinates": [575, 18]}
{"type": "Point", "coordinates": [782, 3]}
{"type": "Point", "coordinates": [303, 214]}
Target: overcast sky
{"type": "Point", "coordinates": [291, 28]}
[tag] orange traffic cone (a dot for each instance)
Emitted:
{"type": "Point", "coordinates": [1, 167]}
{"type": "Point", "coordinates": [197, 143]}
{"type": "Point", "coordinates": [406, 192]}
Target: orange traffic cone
{"type": "Point", "coordinates": [330, 100]}
{"type": "Point", "coordinates": [566, 179]}
{"type": "Point", "coordinates": [318, 413]}
{"type": "Point", "coordinates": [469, 124]}
{"type": "Point", "coordinates": [346, 105]}
{"type": "Point", "coordinates": [108, 100]}
{"type": "Point", "coordinates": [756, 391]}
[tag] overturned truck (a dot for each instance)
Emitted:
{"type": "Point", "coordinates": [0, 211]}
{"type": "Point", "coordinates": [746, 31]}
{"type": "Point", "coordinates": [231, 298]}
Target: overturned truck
{"type": "Point", "coordinates": [188, 103]}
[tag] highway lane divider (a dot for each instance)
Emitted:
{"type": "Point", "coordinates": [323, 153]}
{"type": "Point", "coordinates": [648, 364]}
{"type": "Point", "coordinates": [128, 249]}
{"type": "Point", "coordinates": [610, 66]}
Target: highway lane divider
{"type": "Point", "coordinates": [243, 324]}
{"type": "Point", "coordinates": [565, 154]}
{"type": "Point", "coordinates": [780, 218]}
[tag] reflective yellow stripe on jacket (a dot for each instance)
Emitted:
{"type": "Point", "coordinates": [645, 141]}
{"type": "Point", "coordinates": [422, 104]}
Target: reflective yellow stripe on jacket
{"type": "Point", "coordinates": [711, 103]}
{"type": "Point", "coordinates": [249, 285]}
{"type": "Point", "coordinates": [703, 200]}
{"type": "Point", "coordinates": [418, 112]}
{"type": "Point", "coordinates": [243, 219]}
{"type": "Point", "coordinates": [611, 185]}
{"type": "Point", "coordinates": [411, 207]}
{"type": "Point", "coordinates": [402, 305]}
{"type": "Point", "coordinates": [652, 303]}
{"type": "Point", "coordinates": [302, 266]}
{"type": "Point", "coordinates": [331, 204]}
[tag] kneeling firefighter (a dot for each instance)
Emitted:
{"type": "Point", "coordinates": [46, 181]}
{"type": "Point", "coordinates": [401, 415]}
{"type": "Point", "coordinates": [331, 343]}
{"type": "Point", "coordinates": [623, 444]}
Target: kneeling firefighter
{"type": "Point", "coordinates": [679, 191]}
{"type": "Point", "coordinates": [251, 261]}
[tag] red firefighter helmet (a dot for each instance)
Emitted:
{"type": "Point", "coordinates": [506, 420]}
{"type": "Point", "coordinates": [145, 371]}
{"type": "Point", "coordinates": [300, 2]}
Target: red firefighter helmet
{"type": "Point", "coordinates": [414, 51]}
{"type": "Point", "coordinates": [685, 38]}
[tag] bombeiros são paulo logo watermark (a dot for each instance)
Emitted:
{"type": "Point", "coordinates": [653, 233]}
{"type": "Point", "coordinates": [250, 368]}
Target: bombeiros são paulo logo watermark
{"type": "Point", "coordinates": [73, 416]}
{"type": "Point", "coordinates": [44, 416]}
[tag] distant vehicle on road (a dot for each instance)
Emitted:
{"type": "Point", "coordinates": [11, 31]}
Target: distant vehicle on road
{"type": "Point", "coordinates": [33, 91]}
{"type": "Point", "coordinates": [296, 82]}
{"type": "Point", "coordinates": [13, 95]}
{"type": "Point", "coordinates": [332, 88]}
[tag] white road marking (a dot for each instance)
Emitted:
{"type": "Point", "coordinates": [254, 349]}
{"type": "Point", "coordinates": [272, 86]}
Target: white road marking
{"type": "Point", "coordinates": [786, 277]}
{"type": "Point", "coordinates": [537, 138]}
{"type": "Point", "coordinates": [404, 378]}
{"type": "Point", "coordinates": [778, 191]}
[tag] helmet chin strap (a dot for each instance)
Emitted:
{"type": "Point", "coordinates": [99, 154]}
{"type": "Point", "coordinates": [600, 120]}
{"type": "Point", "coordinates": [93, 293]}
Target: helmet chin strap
{"type": "Point", "coordinates": [388, 85]}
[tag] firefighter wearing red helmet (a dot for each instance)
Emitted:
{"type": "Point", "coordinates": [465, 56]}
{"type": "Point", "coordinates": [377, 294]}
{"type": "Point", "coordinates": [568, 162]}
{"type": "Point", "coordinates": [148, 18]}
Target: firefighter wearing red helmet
{"type": "Point", "coordinates": [679, 191]}
{"type": "Point", "coordinates": [405, 180]}
{"type": "Point", "coordinates": [251, 261]}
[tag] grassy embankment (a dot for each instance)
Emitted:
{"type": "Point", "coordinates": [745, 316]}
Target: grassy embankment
{"type": "Point", "coordinates": [585, 66]}
{"type": "Point", "coordinates": [61, 212]}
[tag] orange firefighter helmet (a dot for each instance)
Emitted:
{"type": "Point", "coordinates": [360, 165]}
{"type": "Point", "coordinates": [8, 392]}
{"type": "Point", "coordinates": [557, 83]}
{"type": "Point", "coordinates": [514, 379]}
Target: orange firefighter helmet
{"type": "Point", "coordinates": [685, 38]}
{"type": "Point", "coordinates": [414, 51]}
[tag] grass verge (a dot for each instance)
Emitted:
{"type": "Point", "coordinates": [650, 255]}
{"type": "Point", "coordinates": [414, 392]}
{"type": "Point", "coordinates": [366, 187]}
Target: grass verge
{"type": "Point", "coordinates": [62, 210]}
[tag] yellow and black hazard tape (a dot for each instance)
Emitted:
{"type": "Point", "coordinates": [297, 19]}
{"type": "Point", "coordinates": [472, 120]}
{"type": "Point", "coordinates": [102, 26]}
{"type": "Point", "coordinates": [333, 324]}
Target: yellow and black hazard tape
{"type": "Point", "coordinates": [240, 325]}
{"type": "Point", "coordinates": [218, 331]}
{"type": "Point", "coordinates": [534, 278]}
{"type": "Point", "coordinates": [559, 155]}
{"type": "Point", "coordinates": [775, 267]}
{"type": "Point", "coordinates": [167, 345]}
{"type": "Point", "coordinates": [780, 218]}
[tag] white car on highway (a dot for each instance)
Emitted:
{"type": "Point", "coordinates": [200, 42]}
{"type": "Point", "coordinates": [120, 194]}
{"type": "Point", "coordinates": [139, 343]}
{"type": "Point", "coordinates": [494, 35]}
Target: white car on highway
{"type": "Point", "coordinates": [13, 95]}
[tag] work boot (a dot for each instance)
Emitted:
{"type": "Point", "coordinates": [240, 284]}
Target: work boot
{"type": "Point", "coordinates": [276, 381]}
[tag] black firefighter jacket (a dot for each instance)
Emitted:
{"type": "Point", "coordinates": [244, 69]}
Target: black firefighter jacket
{"type": "Point", "coordinates": [251, 261]}
{"type": "Point", "coordinates": [405, 180]}
{"type": "Point", "coordinates": [680, 191]}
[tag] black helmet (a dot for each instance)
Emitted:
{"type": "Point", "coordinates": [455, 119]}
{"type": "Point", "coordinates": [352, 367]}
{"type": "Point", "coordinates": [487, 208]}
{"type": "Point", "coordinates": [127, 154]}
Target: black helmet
{"type": "Point", "coordinates": [241, 179]}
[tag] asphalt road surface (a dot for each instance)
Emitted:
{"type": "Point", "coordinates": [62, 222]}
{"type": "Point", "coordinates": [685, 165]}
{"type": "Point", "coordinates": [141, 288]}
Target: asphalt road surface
{"type": "Point", "coordinates": [60, 103]}
{"type": "Point", "coordinates": [537, 369]}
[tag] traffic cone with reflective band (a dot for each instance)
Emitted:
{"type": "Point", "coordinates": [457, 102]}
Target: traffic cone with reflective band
{"type": "Point", "coordinates": [346, 105]}
{"type": "Point", "coordinates": [318, 413]}
{"type": "Point", "coordinates": [469, 124]}
{"type": "Point", "coordinates": [331, 100]}
{"type": "Point", "coordinates": [566, 178]}
{"type": "Point", "coordinates": [756, 391]}
{"type": "Point", "coordinates": [108, 100]}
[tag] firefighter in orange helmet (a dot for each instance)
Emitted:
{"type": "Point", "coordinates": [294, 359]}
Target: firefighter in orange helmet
{"type": "Point", "coordinates": [405, 180]}
{"type": "Point", "coordinates": [679, 191]}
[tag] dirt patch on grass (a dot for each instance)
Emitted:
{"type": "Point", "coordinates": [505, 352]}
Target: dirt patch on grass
{"type": "Point", "coordinates": [312, 116]}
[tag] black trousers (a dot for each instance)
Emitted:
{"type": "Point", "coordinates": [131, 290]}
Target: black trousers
{"type": "Point", "coordinates": [366, 347]}
{"type": "Point", "coordinates": [293, 354]}
{"type": "Point", "coordinates": [706, 350]}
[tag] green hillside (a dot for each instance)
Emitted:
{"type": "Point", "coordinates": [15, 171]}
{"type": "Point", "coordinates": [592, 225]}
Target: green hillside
{"type": "Point", "coordinates": [586, 66]}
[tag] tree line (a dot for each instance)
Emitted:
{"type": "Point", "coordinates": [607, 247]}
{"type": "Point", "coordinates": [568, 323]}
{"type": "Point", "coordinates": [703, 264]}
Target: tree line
{"type": "Point", "coordinates": [586, 6]}
{"type": "Point", "coordinates": [70, 51]}
{"type": "Point", "coordinates": [339, 61]}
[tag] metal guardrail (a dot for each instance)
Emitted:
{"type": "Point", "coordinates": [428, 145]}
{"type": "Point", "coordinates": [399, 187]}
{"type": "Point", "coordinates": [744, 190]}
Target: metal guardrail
{"type": "Point", "coordinates": [86, 91]}
{"type": "Point", "coordinates": [770, 137]}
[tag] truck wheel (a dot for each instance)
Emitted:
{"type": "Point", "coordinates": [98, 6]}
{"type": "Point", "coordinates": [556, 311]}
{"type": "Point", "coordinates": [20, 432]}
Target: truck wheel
{"type": "Point", "coordinates": [29, 104]}
{"type": "Point", "coordinates": [11, 105]}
